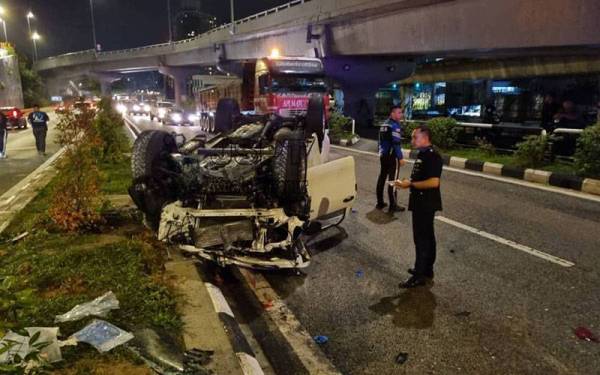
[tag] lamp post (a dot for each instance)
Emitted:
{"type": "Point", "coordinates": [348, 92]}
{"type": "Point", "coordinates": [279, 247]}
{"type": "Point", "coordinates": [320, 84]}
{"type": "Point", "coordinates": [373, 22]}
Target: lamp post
{"type": "Point", "coordinates": [93, 25]}
{"type": "Point", "coordinates": [169, 21]}
{"type": "Point", "coordinates": [34, 38]}
{"type": "Point", "coordinates": [30, 16]}
{"type": "Point", "coordinates": [232, 17]}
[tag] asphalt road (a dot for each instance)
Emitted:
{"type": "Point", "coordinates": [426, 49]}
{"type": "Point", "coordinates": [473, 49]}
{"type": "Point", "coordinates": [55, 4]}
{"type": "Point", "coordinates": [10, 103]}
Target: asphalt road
{"type": "Point", "coordinates": [22, 157]}
{"type": "Point", "coordinates": [492, 309]}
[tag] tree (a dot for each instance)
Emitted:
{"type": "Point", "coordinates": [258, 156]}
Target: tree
{"type": "Point", "coordinates": [31, 82]}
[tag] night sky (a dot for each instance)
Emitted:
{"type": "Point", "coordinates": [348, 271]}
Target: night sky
{"type": "Point", "coordinates": [65, 25]}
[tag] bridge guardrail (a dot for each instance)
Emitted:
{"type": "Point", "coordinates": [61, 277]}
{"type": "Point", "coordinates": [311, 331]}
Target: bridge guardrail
{"type": "Point", "coordinates": [184, 41]}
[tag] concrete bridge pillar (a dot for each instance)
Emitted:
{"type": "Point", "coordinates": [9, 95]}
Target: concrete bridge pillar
{"type": "Point", "coordinates": [106, 80]}
{"type": "Point", "coordinates": [180, 76]}
{"type": "Point", "coordinates": [361, 77]}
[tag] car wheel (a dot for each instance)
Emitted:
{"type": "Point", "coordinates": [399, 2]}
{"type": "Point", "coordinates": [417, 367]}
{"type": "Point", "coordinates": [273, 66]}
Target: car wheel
{"type": "Point", "coordinates": [228, 110]}
{"type": "Point", "coordinates": [315, 119]}
{"type": "Point", "coordinates": [289, 165]}
{"type": "Point", "coordinates": [153, 187]}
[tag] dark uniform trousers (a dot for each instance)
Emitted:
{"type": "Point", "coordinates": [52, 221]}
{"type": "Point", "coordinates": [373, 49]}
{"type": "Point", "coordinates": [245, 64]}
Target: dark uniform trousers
{"type": "Point", "coordinates": [424, 237]}
{"type": "Point", "coordinates": [39, 132]}
{"type": "Point", "coordinates": [387, 172]}
{"type": "Point", "coordinates": [3, 136]}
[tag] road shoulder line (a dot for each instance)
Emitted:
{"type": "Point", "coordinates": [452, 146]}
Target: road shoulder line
{"type": "Point", "coordinates": [509, 180]}
{"type": "Point", "coordinates": [311, 356]}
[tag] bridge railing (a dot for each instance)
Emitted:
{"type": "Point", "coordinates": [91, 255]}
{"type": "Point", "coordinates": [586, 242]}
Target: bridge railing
{"type": "Point", "coordinates": [253, 17]}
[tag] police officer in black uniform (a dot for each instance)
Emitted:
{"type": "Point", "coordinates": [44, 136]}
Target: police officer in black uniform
{"type": "Point", "coordinates": [425, 199]}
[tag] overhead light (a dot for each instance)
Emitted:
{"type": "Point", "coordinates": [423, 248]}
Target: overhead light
{"type": "Point", "coordinates": [30, 15]}
{"type": "Point", "coordinates": [275, 53]}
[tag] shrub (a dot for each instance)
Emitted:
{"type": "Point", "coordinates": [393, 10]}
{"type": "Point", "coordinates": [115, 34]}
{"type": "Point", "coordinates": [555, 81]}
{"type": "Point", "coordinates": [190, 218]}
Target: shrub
{"type": "Point", "coordinates": [75, 199]}
{"type": "Point", "coordinates": [484, 145]}
{"type": "Point", "coordinates": [109, 126]}
{"type": "Point", "coordinates": [530, 153]}
{"type": "Point", "coordinates": [587, 155]}
{"type": "Point", "coordinates": [340, 126]}
{"type": "Point", "coordinates": [444, 132]}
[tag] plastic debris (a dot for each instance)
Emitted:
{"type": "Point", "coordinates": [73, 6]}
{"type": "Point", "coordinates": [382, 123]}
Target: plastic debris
{"type": "Point", "coordinates": [359, 273]}
{"type": "Point", "coordinates": [19, 237]}
{"type": "Point", "coordinates": [23, 345]}
{"type": "Point", "coordinates": [102, 335]}
{"type": "Point", "coordinates": [401, 358]}
{"type": "Point", "coordinates": [98, 307]}
{"type": "Point", "coordinates": [321, 339]}
{"type": "Point", "coordinates": [585, 334]}
{"type": "Point", "coordinates": [354, 210]}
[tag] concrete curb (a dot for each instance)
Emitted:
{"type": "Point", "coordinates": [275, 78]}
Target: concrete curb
{"type": "Point", "coordinates": [566, 181]}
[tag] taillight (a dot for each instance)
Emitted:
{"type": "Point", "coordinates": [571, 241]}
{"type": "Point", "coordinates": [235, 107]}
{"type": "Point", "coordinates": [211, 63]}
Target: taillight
{"type": "Point", "coordinates": [15, 114]}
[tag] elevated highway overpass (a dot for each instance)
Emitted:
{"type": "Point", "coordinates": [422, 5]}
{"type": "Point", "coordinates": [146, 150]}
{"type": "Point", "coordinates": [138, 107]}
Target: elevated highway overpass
{"type": "Point", "coordinates": [364, 43]}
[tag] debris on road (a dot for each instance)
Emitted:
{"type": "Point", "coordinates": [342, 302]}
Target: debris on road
{"type": "Point", "coordinates": [359, 273]}
{"type": "Point", "coordinates": [19, 237]}
{"type": "Point", "coordinates": [463, 314]}
{"type": "Point", "coordinates": [40, 340]}
{"type": "Point", "coordinates": [401, 358]}
{"type": "Point", "coordinates": [321, 339]}
{"type": "Point", "coordinates": [98, 307]}
{"type": "Point", "coordinates": [102, 335]}
{"type": "Point", "coordinates": [585, 334]}
{"type": "Point", "coordinates": [196, 359]}
{"type": "Point", "coordinates": [354, 210]}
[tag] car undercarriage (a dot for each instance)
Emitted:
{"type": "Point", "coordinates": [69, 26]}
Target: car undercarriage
{"type": "Point", "coordinates": [244, 197]}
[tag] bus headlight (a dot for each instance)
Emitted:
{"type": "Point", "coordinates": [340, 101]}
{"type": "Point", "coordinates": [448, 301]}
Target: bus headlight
{"type": "Point", "coordinates": [192, 118]}
{"type": "Point", "coordinates": [176, 117]}
{"type": "Point", "coordinates": [147, 108]}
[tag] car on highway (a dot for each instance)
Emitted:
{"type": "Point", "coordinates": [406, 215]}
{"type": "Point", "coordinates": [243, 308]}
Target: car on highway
{"type": "Point", "coordinates": [15, 117]}
{"type": "Point", "coordinates": [160, 110]}
{"type": "Point", "coordinates": [140, 108]}
{"type": "Point", "coordinates": [180, 117]}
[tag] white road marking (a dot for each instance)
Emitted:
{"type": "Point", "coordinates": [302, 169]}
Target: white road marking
{"type": "Point", "coordinates": [218, 300]}
{"type": "Point", "coordinates": [249, 364]}
{"type": "Point", "coordinates": [130, 130]}
{"type": "Point", "coordinates": [290, 327]}
{"type": "Point", "coordinates": [514, 181]}
{"type": "Point", "coordinates": [504, 241]}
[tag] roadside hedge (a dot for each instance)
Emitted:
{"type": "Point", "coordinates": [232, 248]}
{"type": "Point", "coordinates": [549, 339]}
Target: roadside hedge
{"type": "Point", "coordinates": [444, 132]}
{"type": "Point", "coordinates": [587, 154]}
{"type": "Point", "coordinates": [530, 153]}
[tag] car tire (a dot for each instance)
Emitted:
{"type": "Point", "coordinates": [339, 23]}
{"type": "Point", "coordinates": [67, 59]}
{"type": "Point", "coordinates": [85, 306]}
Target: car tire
{"type": "Point", "coordinates": [289, 165]}
{"type": "Point", "coordinates": [315, 119]}
{"type": "Point", "coordinates": [228, 110]}
{"type": "Point", "coordinates": [152, 188]}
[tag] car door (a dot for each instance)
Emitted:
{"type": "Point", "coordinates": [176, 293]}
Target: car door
{"type": "Point", "coordinates": [332, 188]}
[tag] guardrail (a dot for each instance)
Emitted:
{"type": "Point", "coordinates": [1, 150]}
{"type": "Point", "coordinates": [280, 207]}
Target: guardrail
{"type": "Point", "coordinates": [253, 17]}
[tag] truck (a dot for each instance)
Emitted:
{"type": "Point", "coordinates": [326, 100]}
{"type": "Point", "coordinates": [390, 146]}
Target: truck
{"type": "Point", "coordinates": [270, 85]}
{"type": "Point", "coordinates": [252, 194]}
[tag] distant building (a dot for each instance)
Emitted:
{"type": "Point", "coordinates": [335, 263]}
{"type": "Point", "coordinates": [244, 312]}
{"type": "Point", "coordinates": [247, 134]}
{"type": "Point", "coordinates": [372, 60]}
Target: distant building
{"type": "Point", "coordinates": [191, 21]}
{"type": "Point", "coordinates": [11, 92]}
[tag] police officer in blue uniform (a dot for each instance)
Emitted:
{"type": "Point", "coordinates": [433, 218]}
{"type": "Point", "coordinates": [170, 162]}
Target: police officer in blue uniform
{"type": "Point", "coordinates": [425, 199]}
{"type": "Point", "coordinates": [390, 157]}
{"type": "Point", "coordinates": [39, 125]}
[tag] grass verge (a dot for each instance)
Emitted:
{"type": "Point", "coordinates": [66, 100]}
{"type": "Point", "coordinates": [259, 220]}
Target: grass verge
{"type": "Point", "coordinates": [50, 272]}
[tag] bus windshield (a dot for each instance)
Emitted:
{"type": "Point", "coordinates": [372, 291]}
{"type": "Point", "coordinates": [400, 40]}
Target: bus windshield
{"type": "Point", "coordinates": [297, 83]}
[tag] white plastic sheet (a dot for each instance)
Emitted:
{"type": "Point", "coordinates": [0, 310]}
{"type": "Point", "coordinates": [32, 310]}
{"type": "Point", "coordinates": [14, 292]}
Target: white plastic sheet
{"type": "Point", "coordinates": [98, 307]}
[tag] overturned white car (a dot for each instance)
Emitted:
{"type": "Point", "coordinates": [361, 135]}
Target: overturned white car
{"type": "Point", "coordinates": [246, 196]}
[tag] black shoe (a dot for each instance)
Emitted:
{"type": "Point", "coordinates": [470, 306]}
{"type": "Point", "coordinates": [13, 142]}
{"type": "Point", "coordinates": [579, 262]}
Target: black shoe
{"type": "Point", "coordinates": [413, 282]}
{"type": "Point", "coordinates": [428, 275]}
{"type": "Point", "coordinates": [380, 206]}
{"type": "Point", "coordinates": [395, 208]}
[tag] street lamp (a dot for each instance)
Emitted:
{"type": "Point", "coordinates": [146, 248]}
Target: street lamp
{"type": "Point", "coordinates": [93, 25]}
{"type": "Point", "coordinates": [30, 16]}
{"type": "Point", "coordinates": [34, 38]}
{"type": "Point", "coordinates": [232, 31]}
{"type": "Point", "coordinates": [169, 19]}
